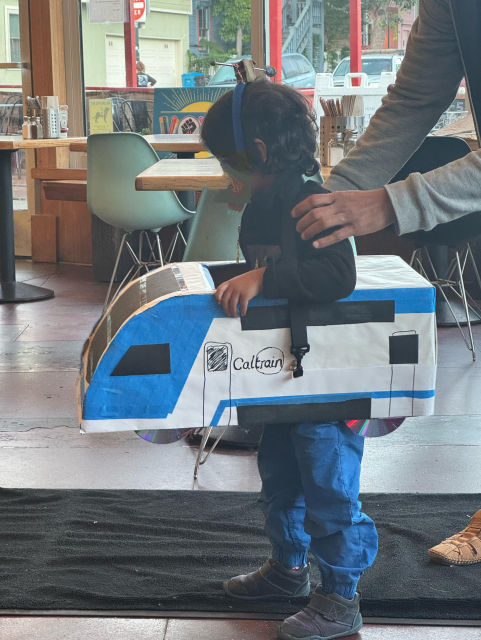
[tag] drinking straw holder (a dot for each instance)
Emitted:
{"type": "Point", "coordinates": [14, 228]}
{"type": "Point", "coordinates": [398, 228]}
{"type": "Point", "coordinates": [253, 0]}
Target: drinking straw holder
{"type": "Point", "coordinates": [336, 124]}
{"type": "Point", "coordinates": [51, 123]}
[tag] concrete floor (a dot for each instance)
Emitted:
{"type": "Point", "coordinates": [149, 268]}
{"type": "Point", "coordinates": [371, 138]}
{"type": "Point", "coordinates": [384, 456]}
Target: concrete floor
{"type": "Point", "coordinates": [40, 446]}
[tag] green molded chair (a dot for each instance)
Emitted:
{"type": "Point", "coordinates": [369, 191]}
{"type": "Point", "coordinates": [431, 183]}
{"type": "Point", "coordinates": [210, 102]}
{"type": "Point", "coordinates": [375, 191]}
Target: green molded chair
{"type": "Point", "coordinates": [113, 162]}
{"type": "Point", "coordinates": [214, 232]}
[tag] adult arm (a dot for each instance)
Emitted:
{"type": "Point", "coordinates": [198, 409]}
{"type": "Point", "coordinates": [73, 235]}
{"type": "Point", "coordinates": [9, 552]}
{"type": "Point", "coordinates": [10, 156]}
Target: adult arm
{"type": "Point", "coordinates": [425, 86]}
{"type": "Point", "coordinates": [422, 201]}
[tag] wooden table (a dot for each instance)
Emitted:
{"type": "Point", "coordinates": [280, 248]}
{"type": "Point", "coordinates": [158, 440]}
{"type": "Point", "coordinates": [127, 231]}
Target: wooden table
{"type": "Point", "coordinates": [174, 175]}
{"type": "Point", "coordinates": [14, 143]}
{"type": "Point", "coordinates": [185, 146]}
{"type": "Point", "coordinates": [175, 143]}
{"type": "Point", "coordinates": [10, 290]}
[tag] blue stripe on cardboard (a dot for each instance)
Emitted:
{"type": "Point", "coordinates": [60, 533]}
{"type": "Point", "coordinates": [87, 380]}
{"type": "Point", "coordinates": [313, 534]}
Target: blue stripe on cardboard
{"type": "Point", "coordinates": [181, 321]}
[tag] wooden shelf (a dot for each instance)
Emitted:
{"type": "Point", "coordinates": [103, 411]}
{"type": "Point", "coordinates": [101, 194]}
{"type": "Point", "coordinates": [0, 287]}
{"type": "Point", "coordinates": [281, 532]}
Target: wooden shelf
{"type": "Point", "coordinates": [12, 65]}
{"type": "Point", "coordinates": [59, 174]}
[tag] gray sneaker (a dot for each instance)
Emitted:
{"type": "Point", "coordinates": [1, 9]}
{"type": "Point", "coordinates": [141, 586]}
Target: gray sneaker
{"type": "Point", "coordinates": [272, 580]}
{"type": "Point", "coordinates": [325, 617]}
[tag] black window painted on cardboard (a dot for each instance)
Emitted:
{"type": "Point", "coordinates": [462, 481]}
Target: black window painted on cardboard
{"type": "Point", "coordinates": [144, 360]}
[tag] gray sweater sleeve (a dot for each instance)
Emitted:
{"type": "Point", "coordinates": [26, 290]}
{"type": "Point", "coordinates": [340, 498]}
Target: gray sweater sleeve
{"type": "Point", "coordinates": [424, 201]}
{"type": "Point", "coordinates": [426, 84]}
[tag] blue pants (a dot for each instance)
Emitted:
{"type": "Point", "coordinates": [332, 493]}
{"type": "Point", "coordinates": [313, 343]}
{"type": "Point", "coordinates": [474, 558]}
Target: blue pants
{"type": "Point", "coordinates": [310, 485]}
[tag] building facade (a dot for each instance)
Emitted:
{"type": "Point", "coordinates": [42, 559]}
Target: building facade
{"type": "Point", "coordinates": [163, 41]}
{"type": "Point", "coordinates": [9, 42]}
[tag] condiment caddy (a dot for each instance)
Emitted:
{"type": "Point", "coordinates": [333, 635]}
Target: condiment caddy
{"type": "Point", "coordinates": [45, 118]}
{"type": "Point", "coordinates": [340, 127]}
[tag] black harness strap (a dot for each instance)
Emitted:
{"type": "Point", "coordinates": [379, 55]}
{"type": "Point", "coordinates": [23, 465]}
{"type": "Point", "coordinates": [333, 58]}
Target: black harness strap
{"type": "Point", "coordinates": [297, 311]}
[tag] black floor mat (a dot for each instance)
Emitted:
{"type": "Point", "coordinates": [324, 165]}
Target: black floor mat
{"type": "Point", "coordinates": [171, 550]}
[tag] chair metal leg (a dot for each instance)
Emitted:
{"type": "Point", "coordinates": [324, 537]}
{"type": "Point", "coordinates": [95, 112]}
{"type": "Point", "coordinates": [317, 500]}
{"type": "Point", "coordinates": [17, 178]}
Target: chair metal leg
{"type": "Point", "coordinates": [131, 274]}
{"type": "Point", "coordinates": [436, 277]}
{"type": "Point", "coordinates": [159, 248]}
{"type": "Point", "coordinates": [138, 260]}
{"type": "Point", "coordinates": [455, 318]}
{"type": "Point", "coordinates": [416, 259]}
{"type": "Point", "coordinates": [173, 244]}
{"type": "Point", "coordinates": [474, 265]}
{"type": "Point", "coordinates": [465, 303]}
{"type": "Point", "coordinates": [114, 273]}
{"type": "Point", "coordinates": [151, 261]}
{"type": "Point", "coordinates": [413, 257]}
{"type": "Point", "coordinates": [143, 234]}
{"type": "Point", "coordinates": [203, 444]}
{"type": "Point", "coordinates": [199, 461]}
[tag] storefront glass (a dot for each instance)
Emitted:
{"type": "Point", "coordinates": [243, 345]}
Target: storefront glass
{"type": "Point", "coordinates": [11, 110]}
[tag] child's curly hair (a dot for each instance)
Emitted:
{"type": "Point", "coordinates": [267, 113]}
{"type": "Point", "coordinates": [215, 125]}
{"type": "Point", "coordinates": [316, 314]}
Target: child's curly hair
{"type": "Point", "coordinates": [277, 114]}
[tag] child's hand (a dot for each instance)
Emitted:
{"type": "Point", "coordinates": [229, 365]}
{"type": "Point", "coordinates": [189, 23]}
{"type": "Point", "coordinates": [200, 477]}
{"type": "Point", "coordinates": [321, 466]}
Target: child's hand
{"type": "Point", "coordinates": [239, 291]}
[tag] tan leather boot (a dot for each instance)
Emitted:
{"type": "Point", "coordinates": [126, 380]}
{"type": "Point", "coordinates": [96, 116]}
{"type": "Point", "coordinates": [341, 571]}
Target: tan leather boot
{"type": "Point", "coordinates": [462, 548]}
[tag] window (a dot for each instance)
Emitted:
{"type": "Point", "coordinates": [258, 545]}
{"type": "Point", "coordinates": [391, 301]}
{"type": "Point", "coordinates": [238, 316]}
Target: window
{"type": "Point", "coordinates": [204, 24]}
{"type": "Point", "coordinates": [302, 65]}
{"type": "Point", "coordinates": [289, 66]}
{"type": "Point", "coordinates": [343, 68]}
{"type": "Point", "coordinates": [12, 34]}
{"type": "Point", "coordinates": [398, 64]}
{"type": "Point", "coordinates": [225, 75]}
{"type": "Point", "coordinates": [375, 66]}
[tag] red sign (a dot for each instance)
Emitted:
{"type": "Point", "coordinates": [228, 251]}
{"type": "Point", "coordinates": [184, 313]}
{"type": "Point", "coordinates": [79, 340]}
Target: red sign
{"type": "Point", "coordinates": [139, 8]}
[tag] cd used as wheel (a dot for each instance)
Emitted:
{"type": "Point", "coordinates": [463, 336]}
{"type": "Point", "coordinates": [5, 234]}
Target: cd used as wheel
{"type": "Point", "coordinates": [163, 436]}
{"type": "Point", "coordinates": [374, 427]}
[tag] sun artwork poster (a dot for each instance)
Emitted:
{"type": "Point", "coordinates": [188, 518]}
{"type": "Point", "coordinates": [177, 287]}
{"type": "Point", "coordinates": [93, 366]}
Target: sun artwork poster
{"type": "Point", "coordinates": [182, 110]}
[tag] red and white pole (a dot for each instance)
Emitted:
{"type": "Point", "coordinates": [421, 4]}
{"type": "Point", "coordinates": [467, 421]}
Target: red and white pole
{"type": "Point", "coordinates": [129, 43]}
{"type": "Point", "coordinates": [275, 36]}
{"type": "Point", "coordinates": [355, 25]}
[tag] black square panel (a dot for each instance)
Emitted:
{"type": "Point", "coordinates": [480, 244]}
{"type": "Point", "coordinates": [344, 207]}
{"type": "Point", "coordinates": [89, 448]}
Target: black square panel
{"type": "Point", "coordinates": [404, 349]}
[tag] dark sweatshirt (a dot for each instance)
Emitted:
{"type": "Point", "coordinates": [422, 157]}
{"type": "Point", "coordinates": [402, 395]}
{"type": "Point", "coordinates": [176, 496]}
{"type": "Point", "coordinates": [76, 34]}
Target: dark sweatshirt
{"type": "Point", "coordinates": [324, 275]}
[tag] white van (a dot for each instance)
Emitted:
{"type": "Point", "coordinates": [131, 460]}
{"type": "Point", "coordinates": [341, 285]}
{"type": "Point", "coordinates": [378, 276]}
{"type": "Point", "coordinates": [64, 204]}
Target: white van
{"type": "Point", "coordinates": [373, 64]}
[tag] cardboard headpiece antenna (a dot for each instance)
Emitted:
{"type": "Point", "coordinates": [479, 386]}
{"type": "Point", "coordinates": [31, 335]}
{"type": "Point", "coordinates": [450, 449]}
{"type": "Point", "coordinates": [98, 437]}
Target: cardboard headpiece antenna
{"type": "Point", "coordinates": [165, 356]}
{"type": "Point", "coordinates": [245, 69]}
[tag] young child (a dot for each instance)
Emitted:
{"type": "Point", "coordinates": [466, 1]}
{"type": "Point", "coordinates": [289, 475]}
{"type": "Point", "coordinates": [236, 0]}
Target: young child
{"type": "Point", "coordinates": [310, 472]}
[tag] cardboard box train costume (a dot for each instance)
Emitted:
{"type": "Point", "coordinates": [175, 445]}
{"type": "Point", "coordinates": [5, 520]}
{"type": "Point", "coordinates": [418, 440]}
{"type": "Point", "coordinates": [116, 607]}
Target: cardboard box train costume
{"type": "Point", "coordinates": [165, 356]}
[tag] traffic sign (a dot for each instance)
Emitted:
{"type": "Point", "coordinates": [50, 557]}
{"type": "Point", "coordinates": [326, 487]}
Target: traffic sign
{"type": "Point", "coordinates": [139, 8]}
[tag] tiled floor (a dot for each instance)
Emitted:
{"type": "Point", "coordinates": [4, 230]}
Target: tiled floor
{"type": "Point", "coordinates": [40, 446]}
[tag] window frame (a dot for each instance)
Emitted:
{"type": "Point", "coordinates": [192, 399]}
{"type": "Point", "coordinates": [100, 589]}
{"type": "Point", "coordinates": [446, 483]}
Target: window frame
{"type": "Point", "coordinates": [205, 13]}
{"type": "Point", "coordinates": [10, 10]}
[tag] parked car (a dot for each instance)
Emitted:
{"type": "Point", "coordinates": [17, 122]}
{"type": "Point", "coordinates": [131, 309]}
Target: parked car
{"type": "Point", "coordinates": [296, 71]}
{"type": "Point", "coordinates": [372, 64]}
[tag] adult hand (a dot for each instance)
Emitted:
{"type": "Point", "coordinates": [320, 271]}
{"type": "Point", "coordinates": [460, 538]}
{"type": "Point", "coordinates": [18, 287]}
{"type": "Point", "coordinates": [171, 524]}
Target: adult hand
{"type": "Point", "coordinates": [239, 291]}
{"type": "Point", "coordinates": [356, 212]}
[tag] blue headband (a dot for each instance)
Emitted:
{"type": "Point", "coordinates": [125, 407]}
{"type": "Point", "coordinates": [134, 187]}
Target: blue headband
{"type": "Point", "coordinates": [237, 116]}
